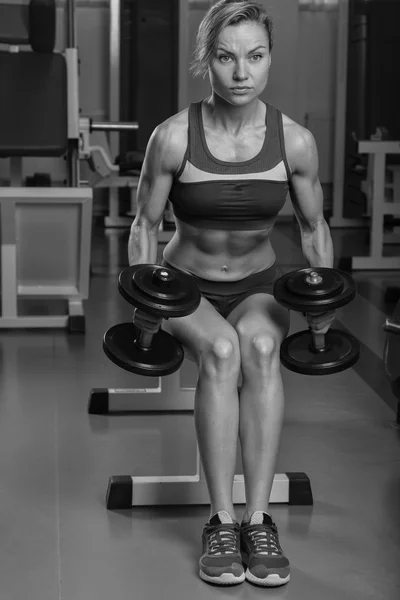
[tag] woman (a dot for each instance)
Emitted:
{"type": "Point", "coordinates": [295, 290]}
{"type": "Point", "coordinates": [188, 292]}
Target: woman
{"type": "Point", "coordinates": [226, 164]}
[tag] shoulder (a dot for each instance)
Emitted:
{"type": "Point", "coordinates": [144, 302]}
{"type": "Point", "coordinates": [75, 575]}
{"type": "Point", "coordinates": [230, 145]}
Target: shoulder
{"type": "Point", "coordinates": [168, 141]}
{"type": "Point", "coordinates": [300, 146]}
{"type": "Point", "coordinates": [298, 139]}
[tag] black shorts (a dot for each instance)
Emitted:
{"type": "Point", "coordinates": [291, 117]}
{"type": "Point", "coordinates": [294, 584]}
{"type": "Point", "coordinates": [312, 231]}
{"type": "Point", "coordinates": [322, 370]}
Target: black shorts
{"type": "Point", "coordinates": [226, 295]}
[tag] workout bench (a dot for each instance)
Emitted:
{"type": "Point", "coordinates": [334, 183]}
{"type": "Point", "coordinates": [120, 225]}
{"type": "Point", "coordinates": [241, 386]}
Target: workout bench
{"type": "Point", "coordinates": [171, 394]}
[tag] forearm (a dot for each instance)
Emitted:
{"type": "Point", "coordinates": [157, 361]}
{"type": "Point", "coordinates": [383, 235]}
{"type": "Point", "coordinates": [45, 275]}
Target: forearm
{"type": "Point", "coordinates": [142, 245]}
{"type": "Point", "coordinates": [316, 242]}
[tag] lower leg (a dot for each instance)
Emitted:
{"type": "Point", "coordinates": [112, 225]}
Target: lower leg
{"type": "Point", "coordinates": [217, 422]}
{"type": "Point", "coordinates": [261, 420]}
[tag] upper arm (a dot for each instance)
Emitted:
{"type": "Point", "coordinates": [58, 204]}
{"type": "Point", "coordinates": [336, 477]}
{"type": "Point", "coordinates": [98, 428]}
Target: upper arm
{"type": "Point", "coordinates": [160, 163]}
{"type": "Point", "coordinates": [305, 187]}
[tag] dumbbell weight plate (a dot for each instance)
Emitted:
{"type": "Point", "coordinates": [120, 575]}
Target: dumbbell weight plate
{"type": "Point", "coordinates": [177, 295]}
{"type": "Point", "coordinates": [165, 356]}
{"type": "Point", "coordinates": [331, 284]}
{"type": "Point", "coordinates": [336, 289]}
{"type": "Point", "coordinates": [342, 352]}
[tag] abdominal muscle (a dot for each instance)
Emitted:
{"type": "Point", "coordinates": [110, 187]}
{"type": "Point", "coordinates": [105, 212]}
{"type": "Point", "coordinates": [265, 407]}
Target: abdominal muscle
{"type": "Point", "coordinates": [219, 255]}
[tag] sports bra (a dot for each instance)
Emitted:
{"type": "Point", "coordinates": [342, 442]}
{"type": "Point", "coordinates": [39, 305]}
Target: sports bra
{"type": "Point", "coordinates": [210, 193]}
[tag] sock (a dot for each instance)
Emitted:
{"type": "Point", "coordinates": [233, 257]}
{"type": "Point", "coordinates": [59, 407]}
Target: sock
{"type": "Point", "coordinates": [221, 516]}
{"type": "Point", "coordinates": [258, 517]}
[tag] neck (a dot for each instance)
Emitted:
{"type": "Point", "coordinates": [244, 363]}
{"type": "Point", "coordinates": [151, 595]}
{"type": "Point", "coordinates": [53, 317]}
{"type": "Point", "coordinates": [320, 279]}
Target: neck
{"type": "Point", "coordinates": [232, 118]}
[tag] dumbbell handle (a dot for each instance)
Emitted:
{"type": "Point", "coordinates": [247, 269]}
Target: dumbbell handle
{"type": "Point", "coordinates": [318, 340]}
{"type": "Point", "coordinates": [147, 330]}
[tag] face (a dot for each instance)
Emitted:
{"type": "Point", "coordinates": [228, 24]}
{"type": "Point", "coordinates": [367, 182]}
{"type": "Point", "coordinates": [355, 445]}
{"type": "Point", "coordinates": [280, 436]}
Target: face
{"type": "Point", "coordinates": [239, 70]}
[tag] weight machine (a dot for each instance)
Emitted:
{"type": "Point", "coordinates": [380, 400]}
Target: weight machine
{"type": "Point", "coordinates": [45, 231]}
{"type": "Point", "coordinates": [381, 182]}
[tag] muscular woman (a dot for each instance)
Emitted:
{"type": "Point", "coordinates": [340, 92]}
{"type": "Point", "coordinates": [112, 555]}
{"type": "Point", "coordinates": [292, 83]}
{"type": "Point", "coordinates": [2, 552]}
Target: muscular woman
{"type": "Point", "coordinates": [227, 164]}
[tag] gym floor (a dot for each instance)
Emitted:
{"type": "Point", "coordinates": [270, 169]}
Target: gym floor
{"type": "Point", "coordinates": [60, 541]}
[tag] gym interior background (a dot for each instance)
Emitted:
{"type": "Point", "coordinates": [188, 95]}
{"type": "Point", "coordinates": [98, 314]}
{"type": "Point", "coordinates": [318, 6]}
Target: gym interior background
{"type": "Point", "coordinates": [70, 419]}
{"type": "Point", "coordinates": [306, 94]}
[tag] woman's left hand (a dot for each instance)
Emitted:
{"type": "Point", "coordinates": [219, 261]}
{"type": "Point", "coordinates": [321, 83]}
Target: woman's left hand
{"type": "Point", "coordinates": [321, 322]}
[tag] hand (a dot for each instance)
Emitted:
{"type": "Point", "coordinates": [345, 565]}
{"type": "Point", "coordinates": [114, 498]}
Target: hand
{"type": "Point", "coordinates": [321, 322]}
{"type": "Point", "coordinates": [146, 321]}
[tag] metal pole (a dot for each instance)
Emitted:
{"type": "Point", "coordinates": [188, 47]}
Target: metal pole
{"type": "Point", "coordinates": [71, 23]}
{"type": "Point", "coordinates": [114, 73]}
{"type": "Point", "coordinates": [73, 150]}
{"type": "Point", "coordinates": [392, 326]}
{"type": "Point", "coordinates": [118, 126]}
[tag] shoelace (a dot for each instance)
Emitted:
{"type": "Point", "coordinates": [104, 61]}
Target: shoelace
{"type": "Point", "coordinates": [223, 541]}
{"type": "Point", "coordinates": [265, 540]}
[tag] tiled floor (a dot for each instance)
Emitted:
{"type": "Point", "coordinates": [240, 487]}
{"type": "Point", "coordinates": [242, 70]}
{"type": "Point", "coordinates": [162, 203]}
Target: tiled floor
{"type": "Point", "coordinates": [58, 540]}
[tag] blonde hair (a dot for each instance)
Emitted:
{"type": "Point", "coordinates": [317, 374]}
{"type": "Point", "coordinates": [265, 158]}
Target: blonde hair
{"type": "Point", "coordinates": [219, 16]}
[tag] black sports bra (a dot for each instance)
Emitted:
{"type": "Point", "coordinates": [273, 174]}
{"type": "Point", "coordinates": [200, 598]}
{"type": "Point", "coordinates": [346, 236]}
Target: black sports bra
{"type": "Point", "coordinates": [215, 194]}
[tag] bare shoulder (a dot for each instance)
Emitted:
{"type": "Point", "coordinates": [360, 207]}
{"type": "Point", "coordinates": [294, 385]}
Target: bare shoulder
{"type": "Point", "coordinates": [168, 141]}
{"type": "Point", "coordinates": [300, 146]}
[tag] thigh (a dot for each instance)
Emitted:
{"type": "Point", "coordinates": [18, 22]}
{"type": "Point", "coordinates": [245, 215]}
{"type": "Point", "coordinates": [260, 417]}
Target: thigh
{"type": "Point", "coordinates": [198, 331]}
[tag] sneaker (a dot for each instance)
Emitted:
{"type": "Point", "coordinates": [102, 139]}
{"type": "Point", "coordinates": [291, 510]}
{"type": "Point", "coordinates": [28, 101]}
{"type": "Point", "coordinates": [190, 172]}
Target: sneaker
{"type": "Point", "coordinates": [262, 554]}
{"type": "Point", "coordinates": [221, 561]}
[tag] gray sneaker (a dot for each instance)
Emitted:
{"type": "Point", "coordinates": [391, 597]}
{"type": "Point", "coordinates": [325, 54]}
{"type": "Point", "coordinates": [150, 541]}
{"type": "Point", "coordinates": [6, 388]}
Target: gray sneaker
{"type": "Point", "coordinates": [221, 561]}
{"type": "Point", "coordinates": [262, 555]}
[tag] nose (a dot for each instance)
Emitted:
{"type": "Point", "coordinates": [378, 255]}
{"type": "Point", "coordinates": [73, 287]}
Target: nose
{"type": "Point", "coordinates": [240, 73]}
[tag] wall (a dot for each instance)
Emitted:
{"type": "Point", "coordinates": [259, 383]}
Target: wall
{"type": "Point", "coordinates": [316, 80]}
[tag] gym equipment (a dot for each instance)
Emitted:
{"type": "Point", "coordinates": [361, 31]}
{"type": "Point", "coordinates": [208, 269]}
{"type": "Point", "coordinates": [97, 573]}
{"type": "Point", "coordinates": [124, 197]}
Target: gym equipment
{"type": "Point", "coordinates": [313, 291]}
{"type": "Point", "coordinates": [159, 292]}
{"type": "Point", "coordinates": [125, 491]}
{"type": "Point", "coordinates": [175, 393]}
{"type": "Point", "coordinates": [103, 173]}
{"type": "Point", "coordinates": [40, 117]}
{"type": "Point", "coordinates": [45, 231]}
{"type": "Point", "coordinates": [392, 354]}
{"type": "Point", "coordinates": [383, 201]}
{"type": "Point", "coordinates": [363, 31]}
{"type": "Point", "coordinates": [392, 345]}
{"type": "Point", "coordinates": [38, 180]}
{"type": "Point", "coordinates": [130, 161]}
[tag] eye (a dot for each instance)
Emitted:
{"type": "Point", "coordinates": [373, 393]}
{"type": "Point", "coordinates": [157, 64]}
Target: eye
{"type": "Point", "coordinates": [256, 57]}
{"type": "Point", "coordinates": [224, 58]}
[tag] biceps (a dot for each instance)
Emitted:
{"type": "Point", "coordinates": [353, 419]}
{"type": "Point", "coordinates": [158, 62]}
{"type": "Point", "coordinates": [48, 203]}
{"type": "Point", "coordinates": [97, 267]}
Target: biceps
{"type": "Point", "coordinates": [307, 199]}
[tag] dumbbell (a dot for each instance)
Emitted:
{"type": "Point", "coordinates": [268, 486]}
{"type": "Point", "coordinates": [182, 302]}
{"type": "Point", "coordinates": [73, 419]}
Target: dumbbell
{"type": "Point", "coordinates": [162, 293]}
{"type": "Point", "coordinates": [313, 291]}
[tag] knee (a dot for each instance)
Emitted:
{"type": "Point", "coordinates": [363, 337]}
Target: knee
{"type": "Point", "coordinates": [264, 351]}
{"type": "Point", "coordinates": [265, 345]}
{"type": "Point", "coordinates": [221, 355]}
